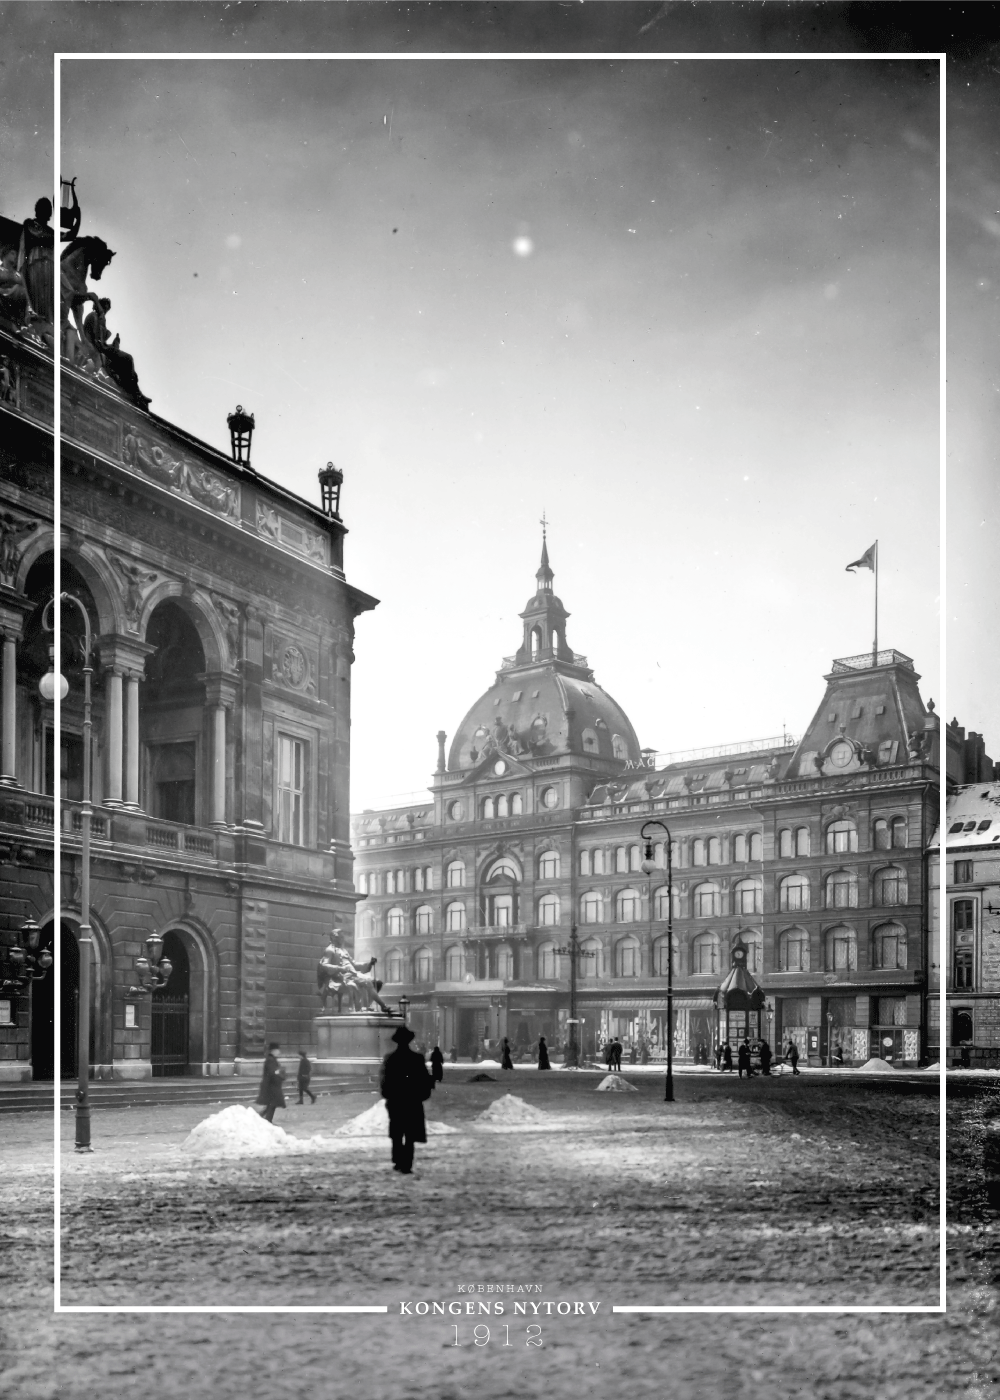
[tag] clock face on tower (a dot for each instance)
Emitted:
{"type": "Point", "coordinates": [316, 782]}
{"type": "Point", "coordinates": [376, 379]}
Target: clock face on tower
{"type": "Point", "coordinates": [841, 754]}
{"type": "Point", "coordinates": [499, 768]}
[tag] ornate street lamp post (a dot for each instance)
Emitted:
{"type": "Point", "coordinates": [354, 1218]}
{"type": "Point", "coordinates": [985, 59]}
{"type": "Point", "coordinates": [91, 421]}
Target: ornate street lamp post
{"type": "Point", "coordinates": [48, 685]}
{"type": "Point", "coordinates": [241, 426]}
{"type": "Point", "coordinates": [573, 951]}
{"type": "Point", "coordinates": [153, 969]}
{"type": "Point", "coordinates": [649, 866]}
{"type": "Point", "coordinates": [404, 1006]}
{"type": "Point", "coordinates": [21, 963]}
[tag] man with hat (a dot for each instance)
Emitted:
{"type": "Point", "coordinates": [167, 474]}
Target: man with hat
{"type": "Point", "coordinates": [406, 1086]}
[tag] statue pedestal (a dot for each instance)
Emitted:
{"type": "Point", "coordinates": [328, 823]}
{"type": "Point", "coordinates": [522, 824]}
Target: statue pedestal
{"type": "Point", "coordinates": [354, 1043]}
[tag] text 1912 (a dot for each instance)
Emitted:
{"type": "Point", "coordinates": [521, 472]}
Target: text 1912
{"type": "Point", "coordinates": [481, 1336]}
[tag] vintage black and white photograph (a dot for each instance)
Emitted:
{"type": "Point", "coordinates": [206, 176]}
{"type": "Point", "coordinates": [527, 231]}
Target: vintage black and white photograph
{"type": "Point", "coordinates": [477, 742]}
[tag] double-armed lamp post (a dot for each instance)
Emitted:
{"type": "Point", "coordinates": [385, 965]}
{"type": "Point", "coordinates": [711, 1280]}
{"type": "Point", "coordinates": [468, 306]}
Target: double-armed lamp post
{"type": "Point", "coordinates": [574, 952]}
{"type": "Point", "coordinates": [649, 866]}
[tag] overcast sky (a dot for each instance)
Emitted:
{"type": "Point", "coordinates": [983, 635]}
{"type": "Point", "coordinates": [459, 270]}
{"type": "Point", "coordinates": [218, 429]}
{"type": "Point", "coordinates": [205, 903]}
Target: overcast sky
{"type": "Point", "coordinates": [688, 309]}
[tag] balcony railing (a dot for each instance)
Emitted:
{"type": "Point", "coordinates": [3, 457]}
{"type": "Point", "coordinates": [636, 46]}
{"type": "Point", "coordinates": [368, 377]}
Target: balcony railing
{"type": "Point", "coordinates": [867, 660]}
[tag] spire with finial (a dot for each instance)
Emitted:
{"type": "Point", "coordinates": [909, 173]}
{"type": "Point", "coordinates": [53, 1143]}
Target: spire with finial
{"type": "Point", "coordinates": [544, 574]}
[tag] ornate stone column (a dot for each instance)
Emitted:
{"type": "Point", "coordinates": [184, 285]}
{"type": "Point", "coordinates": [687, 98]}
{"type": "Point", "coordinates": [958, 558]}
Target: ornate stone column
{"type": "Point", "coordinates": [220, 696]}
{"type": "Point", "coordinates": [8, 754]}
{"type": "Point", "coordinates": [122, 660]}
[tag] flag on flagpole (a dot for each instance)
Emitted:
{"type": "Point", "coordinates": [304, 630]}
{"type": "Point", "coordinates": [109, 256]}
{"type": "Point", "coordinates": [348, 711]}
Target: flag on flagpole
{"type": "Point", "coordinates": [867, 560]}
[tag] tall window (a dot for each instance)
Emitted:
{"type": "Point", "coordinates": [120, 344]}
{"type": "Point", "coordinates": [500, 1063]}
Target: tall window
{"type": "Point", "coordinates": [502, 807]}
{"type": "Point", "coordinates": [548, 960]}
{"type": "Point", "coordinates": [600, 862]}
{"type": "Point", "coordinates": [963, 916]}
{"type": "Point", "coordinates": [548, 909]}
{"type": "Point", "coordinates": [841, 837]}
{"type": "Point", "coordinates": [394, 966]}
{"type": "Point", "coordinates": [899, 832]}
{"type": "Point", "coordinates": [841, 949]}
{"type": "Point", "coordinates": [714, 851]}
{"type": "Point", "coordinates": [786, 842]}
{"type": "Point", "coordinates": [592, 967]}
{"type": "Point", "coordinates": [504, 962]}
{"type": "Point", "coordinates": [793, 950]}
{"type": "Point", "coordinates": [618, 746]}
{"type": "Point", "coordinates": [754, 940]}
{"type": "Point", "coordinates": [368, 924]}
{"type": "Point", "coordinates": [962, 872]}
{"type": "Point", "coordinates": [628, 958]}
{"type": "Point", "coordinates": [423, 965]}
{"type": "Point", "coordinates": [661, 906]}
{"type": "Point", "coordinates": [699, 851]}
{"type": "Point", "coordinates": [515, 804]}
{"type": "Point", "coordinates": [584, 865]}
{"type": "Point", "coordinates": [454, 964]}
{"type": "Point", "coordinates": [422, 878]}
{"type": "Point", "coordinates": [489, 809]}
{"type": "Point", "coordinates": [621, 860]}
{"type": "Point", "coordinates": [756, 846]}
{"type": "Point", "coordinates": [739, 849]}
{"type": "Point", "coordinates": [635, 858]}
{"type": "Point", "coordinates": [963, 966]}
{"type": "Point", "coordinates": [424, 919]}
{"type": "Point", "coordinates": [591, 908]}
{"type": "Point", "coordinates": [455, 917]}
{"type": "Point", "coordinates": [629, 905]}
{"type": "Point", "coordinates": [881, 835]}
{"type": "Point", "coordinates": [747, 897]}
{"type": "Point", "coordinates": [394, 923]}
{"type": "Point", "coordinates": [707, 902]}
{"type": "Point", "coordinates": [172, 777]}
{"type": "Point", "coordinates": [660, 957]}
{"type": "Point", "coordinates": [802, 842]}
{"type": "Point", "coordinates": [455, 874]}
{"type": "Point", "coordinates": [501, 910]}
{"type": "Point", "coordinates": [793, 893]}
{"type": "Point", "coordinates": [889, 946]}
{"type": "Point", "coordinates": [841, 890]}
{"type": "Point", "coordinates": [291, 790]}
{"type": "Point", "coordinates": [703, 955]}
{"type": "Point", "coordinates": [362, 883]}
{"type": "Point", "coordinates": [548, 866]}
{"type": "Point", "coordinates": [890, 886]}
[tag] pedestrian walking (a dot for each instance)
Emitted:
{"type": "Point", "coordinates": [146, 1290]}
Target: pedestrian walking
{"type": "Point", "coordinates": [792, 1055]}
{"type": "Point", "coordinates": [743, 1059]}
{"type": "Point", "coordinates": [437, 1065]}
{"type": "Point", "coordinates": [718, 1054]}
{"type": "Point", "coordinates": [633, 1054]}
{"type": "Point", "coordinates": [270, 1093]}
{"type": "Point", "coordinates": [609, 1054]}
{"type": "Point", "coordinates": [618, 1055]}
{"type": "Point", "coordinates": [644, 1054]}
{"type": "Point", "coordinates": [505, 1061]}
{"type": "Point", "coordinates": [302, 1076]}
{"type": "Point", "coordinates": [727, 1057]}
{"type": "Point", "coordinates": [405, 1086]}
{"type": "Point", "coordinates": [543, 1054]}
{"type": "Point", "coordinates": [765, 1057]}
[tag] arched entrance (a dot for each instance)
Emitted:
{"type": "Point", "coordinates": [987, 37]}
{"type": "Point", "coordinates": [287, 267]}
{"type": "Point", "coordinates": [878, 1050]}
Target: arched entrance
{"type": "Point", "coordinates": [170, 1047]}
{"type": "Point", "coordinates": [43, 1017]}
{"type": "Point", "coordinates": [69, 953]}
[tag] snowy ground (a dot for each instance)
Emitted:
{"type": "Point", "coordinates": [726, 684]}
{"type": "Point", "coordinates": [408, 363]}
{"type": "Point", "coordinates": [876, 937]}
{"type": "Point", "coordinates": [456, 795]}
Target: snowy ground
{"type": "Point", "coordinates": [787, 1191]}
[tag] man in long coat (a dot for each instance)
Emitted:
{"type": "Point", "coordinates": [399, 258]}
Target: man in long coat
{"type": "Point", "coordinates": [270, 1092]}
{"type": "Point", "coordinates": [406, 1086]}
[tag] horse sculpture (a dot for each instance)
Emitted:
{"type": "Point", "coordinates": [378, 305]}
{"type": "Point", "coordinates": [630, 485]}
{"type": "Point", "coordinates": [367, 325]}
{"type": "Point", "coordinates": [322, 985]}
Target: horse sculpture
{"type": "Point", "coordinates": [81, 257]}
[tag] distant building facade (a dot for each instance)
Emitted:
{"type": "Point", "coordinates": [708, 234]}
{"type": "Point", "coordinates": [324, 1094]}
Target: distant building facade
{"type": "Point", "coordinates": [971, 913]}
{"type": "Point", "coordinates": [810, 852]}
{"type": "Point", "coordinates": [222, 628]}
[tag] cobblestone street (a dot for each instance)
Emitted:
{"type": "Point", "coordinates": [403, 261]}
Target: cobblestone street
{"type": "Point", "coordinates": [806, 1192]}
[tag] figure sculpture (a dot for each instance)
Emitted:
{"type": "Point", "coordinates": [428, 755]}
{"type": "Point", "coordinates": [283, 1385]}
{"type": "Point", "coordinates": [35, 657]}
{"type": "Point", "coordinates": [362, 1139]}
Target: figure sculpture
{"type": "Point", "coordinates": [36, 261]}
{"type": "Point", "coordinates": [338, 975]}
{"type": "Point", "coordinates": [119, 366]}
{"type": "Point", "coordinates": [83, 256]}
{"type": "Point", "coordinates": [15, 307]}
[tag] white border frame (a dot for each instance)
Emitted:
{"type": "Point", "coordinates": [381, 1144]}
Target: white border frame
{"type": "Point", "coordinates": [350, 57]}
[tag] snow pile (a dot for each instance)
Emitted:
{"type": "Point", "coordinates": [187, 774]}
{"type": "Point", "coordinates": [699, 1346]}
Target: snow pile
{"type": "Point", "coordinates": [239, 1131]}
{"type": "Point", "coordinates": [875, 1067]}
{"type": "Point", "coordinates": [510, 1109]}
{"type": "Point", "coordinates": [374, 1122]}
{"type": "Point", "coordinates": [615, 1084]}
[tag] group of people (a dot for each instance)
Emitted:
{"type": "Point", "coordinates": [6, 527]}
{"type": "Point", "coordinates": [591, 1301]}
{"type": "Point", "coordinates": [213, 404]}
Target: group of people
{"type": "Point", "coordinates": [744, 1056]}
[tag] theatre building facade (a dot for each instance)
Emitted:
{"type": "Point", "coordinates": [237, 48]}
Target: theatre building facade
{"type": "Point", "coordinates": [221, 633]}
{"type": "Point", "coordinates": [809, 852]}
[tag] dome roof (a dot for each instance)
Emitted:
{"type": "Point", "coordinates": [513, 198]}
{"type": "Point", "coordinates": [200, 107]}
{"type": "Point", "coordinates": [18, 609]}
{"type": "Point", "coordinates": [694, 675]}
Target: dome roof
{"type": "Point", "coordinates": [541, 712]}
{"type": "Point", "coordinates": [544, 702]}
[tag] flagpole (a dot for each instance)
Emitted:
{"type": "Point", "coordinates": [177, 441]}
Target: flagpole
{"type": "Point", "coordinates": [874, 653]}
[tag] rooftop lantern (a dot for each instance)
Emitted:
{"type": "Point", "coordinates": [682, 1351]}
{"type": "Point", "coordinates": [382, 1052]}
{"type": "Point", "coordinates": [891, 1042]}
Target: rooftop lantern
{"type": "Point", "coordinates": [241, 426]}
{"type": "Point", "coordinates": [331, 479]}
